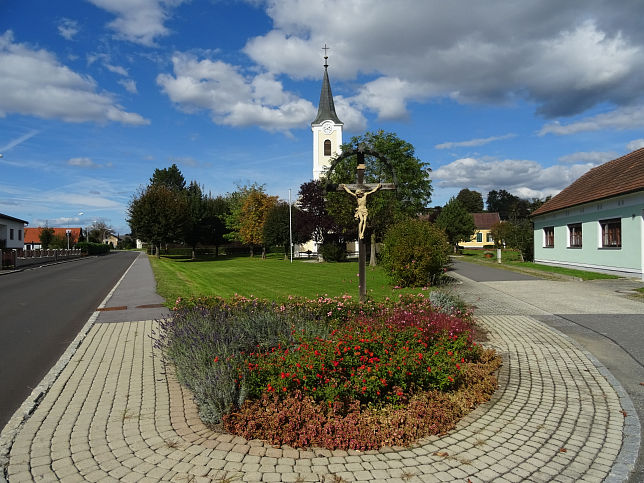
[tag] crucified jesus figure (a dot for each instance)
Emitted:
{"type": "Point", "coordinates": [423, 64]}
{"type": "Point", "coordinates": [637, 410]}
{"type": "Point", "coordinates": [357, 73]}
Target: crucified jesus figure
{"type": "Point", "coordinates": [361, 211]}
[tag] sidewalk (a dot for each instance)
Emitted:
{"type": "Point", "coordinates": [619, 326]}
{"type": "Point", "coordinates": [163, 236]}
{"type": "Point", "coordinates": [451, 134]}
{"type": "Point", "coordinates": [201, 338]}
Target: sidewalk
{"type": "Point", "coordinates": [116, 413]}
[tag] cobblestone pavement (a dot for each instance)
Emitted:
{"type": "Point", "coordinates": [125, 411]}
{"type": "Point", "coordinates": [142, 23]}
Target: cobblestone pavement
{"type": "Point", "coordinates": [115, 414]}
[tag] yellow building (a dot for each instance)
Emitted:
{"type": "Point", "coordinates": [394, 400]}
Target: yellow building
{"type": "Point", "coordinates": [482, 236]}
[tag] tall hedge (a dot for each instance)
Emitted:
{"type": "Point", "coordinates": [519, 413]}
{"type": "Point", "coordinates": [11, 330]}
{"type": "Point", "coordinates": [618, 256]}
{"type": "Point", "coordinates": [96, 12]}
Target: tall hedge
{"type": "Point", "coordinates": [93, 248]}
{"type": "Point", "coordinates": [415, 253]}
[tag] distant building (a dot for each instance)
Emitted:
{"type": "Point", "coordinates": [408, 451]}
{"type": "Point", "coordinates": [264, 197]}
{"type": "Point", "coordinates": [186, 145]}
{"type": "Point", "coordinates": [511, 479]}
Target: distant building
{"type": "Point", "coordinates": [483, 234]}
{"type": "Point", "coordinates": [12, 231]}
{"type": "Point", "coordinates": [32, 236]}
{"type": "Point", "coordinates": [112, 238]}
{"type": "Point", "coordinates": [598, 221]}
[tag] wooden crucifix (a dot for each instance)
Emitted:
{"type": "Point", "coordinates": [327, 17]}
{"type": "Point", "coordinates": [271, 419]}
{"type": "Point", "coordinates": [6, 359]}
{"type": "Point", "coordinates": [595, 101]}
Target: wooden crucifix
{"type": "Point", "coordinates": [360, 190]}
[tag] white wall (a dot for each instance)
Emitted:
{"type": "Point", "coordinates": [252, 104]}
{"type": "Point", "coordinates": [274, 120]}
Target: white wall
{"type": "Point", "coordinates": [6, 226]}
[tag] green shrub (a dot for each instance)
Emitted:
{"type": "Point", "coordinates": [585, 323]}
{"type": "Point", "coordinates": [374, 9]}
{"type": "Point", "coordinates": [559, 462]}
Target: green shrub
{"type": "Point", "coordinates": [93, 248]}
{"type": "Point", "coordinates": [333, 251]}
{"type": "Point", "coordinates": [415, 253]}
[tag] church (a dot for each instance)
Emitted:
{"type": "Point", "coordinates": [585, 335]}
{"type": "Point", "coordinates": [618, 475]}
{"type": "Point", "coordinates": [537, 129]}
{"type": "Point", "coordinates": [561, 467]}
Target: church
{"type": "Point", "coordinates": [327, 140]}
{"type": "Point", "coordinates": [327, 128]}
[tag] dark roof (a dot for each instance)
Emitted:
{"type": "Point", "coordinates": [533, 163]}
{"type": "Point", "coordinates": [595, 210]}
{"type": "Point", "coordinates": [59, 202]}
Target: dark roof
{"type": "Point", "coordinates": [619, 176]}
{"type": "Point", "coordinates": [485, 221]}
{"type": "Point", "coordinates": [326, 108]}
{"type": "Point", "coordinates": [12, 218]}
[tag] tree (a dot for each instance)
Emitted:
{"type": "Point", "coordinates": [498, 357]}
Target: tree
{"type": "Point", "coordinates": [157, 214]}
{"type": "Point", "coordinates": [46, 236]}
{"type": "Point", "coordinates": [516, 234]}
{"type": "Point", "coordinates": [193, 226]}
{"type": "Point", "coordinates": [314, 219]}
{"type": "Point", "coordinates": [252, 218]}
{"type": "Point", "coordinates": [235, 201]}
{"type": "Point", "coordinates": [501, 202]}
{"type": "Point", "coordinates": [277, 227]}
{"type": "Point", "coordinates": [98, 231]}
{"type": "Point", "coordinates": [456, 221]}
{"type": "Point", "coordinates": [413, 191]}
{"type": "Point", "coordinates": [214, 226]}
{"type": "Point", "coordinates": [472, 200]}
{"type": "Point", "coordinates": [169, 177]}
{"type": "Point", "coordinates": [414, 187]}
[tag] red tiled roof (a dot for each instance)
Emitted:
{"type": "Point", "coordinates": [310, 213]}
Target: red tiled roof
{"type": "Point", "coordinates": [485, 221]}
{"type": "Point", "coordinates": [616, 177]}
{"type": "Point", "coordinates": [32, 235]}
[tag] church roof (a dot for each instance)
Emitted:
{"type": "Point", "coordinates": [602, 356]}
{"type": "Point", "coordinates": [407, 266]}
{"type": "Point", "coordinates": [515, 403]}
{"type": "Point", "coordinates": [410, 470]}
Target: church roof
{"type": "Point", "coordinates": [326, 108]}
{"type": "Point", "coordinates": [617, 177]}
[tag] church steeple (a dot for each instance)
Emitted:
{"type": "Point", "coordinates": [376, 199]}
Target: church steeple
{"type": "Point", "coordinates": [327, 127]}
{"type": "Point", "coordinates": [326, 108]}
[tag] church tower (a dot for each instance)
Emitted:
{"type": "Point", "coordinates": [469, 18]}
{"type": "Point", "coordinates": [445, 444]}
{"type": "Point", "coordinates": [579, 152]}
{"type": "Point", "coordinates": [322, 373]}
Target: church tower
{"type": "Point", "coordinates": [327, 128]}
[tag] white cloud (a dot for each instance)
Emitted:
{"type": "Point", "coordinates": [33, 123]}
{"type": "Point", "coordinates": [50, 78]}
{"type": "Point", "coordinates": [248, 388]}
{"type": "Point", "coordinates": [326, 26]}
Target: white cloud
{"type": "Point", "coordinates": [34, 83]}
{"type": "Point", "coordinates": [564, 56]}
{"type": "Point", "coordinates": [117, 69]}
{"type": "Point", "coordinates": [139, 21]}
{"type": "Point", "coordinates": [473, 142]}
{"type": "Point", "coordinates": [635, 144]}
{"type": "Point", "coordinates": [594, 157]}
{"type": "Point", "coordinates": [232, 98]}
{"type": "Point", "coordinates": [68, 28]}
{"type": "Point", "coordinates": [621, 118]}
{"type": "Point", "coordinates": [82, 162]}
{"type": "Point", "coordinates": [129, 85]}
{"type": "Point", "coordinates": [521, 177]}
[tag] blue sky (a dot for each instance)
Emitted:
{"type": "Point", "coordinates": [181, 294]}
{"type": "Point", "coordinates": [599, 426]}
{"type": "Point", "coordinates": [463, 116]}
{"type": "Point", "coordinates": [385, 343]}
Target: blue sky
{"type": "Point", "coordinates": [96, 94]}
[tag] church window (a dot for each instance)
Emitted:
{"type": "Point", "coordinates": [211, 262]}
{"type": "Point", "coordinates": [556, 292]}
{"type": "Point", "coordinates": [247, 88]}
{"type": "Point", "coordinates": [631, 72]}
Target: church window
{"type": "Point", "coordinates": [327, 148]}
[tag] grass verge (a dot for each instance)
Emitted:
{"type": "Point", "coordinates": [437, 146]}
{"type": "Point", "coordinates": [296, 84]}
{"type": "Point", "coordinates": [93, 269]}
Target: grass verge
{"type": "Point", "coordinates": [272, 278]}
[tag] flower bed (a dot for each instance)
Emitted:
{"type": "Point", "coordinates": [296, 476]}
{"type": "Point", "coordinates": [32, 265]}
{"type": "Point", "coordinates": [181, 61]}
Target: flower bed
{"type": "Point", "coordinates": [329, 372]}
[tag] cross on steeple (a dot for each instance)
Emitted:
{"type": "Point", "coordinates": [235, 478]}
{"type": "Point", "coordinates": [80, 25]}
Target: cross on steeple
{"type": "Point", "coordinates": [325, 48]}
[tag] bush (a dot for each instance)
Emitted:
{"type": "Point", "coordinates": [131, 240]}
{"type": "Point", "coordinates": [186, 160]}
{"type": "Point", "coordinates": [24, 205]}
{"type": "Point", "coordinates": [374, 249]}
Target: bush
{"type": "Point", "coordinates": [208, 345]}
{"type": "Point", "coordinates": [333, 251]}
{"type": "Point", "coordinates": [93, 248]}
{"type": "Point", "coordinates": [415, 253]}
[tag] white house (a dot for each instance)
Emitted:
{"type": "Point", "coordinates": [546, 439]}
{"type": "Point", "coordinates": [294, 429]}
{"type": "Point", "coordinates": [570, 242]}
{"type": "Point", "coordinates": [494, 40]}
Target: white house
{"type": "Point", "coordinates": [12, 231]}
{"type": "Point", "coordinates": [598, 221]}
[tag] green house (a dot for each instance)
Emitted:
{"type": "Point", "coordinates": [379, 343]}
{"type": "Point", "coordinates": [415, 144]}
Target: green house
{"type": "Point", "coordinates": [597, 222]}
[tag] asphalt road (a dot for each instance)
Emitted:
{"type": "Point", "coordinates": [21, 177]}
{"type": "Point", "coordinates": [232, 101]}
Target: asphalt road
{"type": "Point", "coordinates": [41, 312]}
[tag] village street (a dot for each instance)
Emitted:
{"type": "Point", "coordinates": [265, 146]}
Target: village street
{"type": "Point", "coordinates": [43, 308]}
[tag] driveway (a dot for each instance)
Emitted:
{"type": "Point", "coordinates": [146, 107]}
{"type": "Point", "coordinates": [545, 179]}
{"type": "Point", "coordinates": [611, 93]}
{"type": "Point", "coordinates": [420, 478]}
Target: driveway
{"type": "Point", "coordinates": [598, 315]}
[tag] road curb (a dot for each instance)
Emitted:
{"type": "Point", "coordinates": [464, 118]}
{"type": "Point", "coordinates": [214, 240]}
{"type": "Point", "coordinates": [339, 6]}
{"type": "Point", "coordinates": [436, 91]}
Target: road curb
{"type": "Point", "coordinates": [26, 409]}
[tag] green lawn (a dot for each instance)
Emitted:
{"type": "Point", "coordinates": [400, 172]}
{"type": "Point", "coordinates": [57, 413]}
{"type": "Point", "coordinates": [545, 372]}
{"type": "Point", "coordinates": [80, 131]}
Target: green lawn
{"type": "Point", "coordinates": [511, 259]}
{"type": "Point", "coordinates": [273, 278]}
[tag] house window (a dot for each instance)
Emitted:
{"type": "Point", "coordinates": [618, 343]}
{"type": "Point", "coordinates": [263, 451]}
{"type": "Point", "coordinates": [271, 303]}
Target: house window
{"type": "Point", "coordinates": [10, 233]}
{"type": "Point", "coordinates": [488, 238]}
{"type": "Point", "coordinates": [479, 237]}
{"type": "Point", "coordinates": [19, 234]}
{"type": "Point", "coordinates": [611, 233]}
{"type": "Point", "coordinates": [549, 236]}
{"type": "Point", "coordinates": [574, 239]}
{"type": "Point", "coordinates": [327, 148]}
